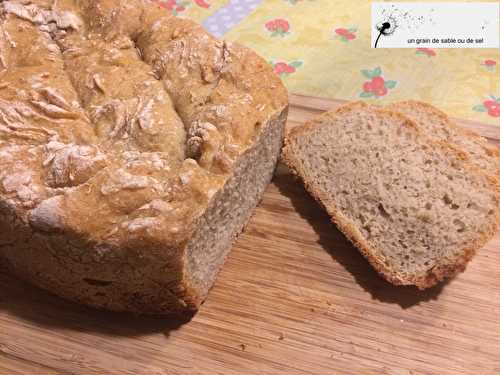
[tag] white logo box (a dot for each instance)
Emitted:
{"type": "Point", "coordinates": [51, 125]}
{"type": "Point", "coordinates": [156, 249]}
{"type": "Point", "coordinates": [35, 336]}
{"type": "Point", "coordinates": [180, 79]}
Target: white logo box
{"type": "Point", "coordinates": [436, 25]}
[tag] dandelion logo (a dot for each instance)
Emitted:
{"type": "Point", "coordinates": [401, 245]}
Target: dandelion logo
{"type": "Point", "coordinates": [386, 28]}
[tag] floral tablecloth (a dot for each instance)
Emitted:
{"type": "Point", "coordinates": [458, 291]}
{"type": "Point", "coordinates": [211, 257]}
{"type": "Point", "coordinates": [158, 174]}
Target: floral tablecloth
{"type": "Point", "coordinates": [322, 48]}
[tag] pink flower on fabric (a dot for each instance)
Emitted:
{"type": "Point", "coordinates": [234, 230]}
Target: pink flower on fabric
{"type": "Point", "coordinates": [202, 3]}
{"type": "Point", "coordinates": [377, 86]}
{"type": "Point", "coordinates": [345, 35]}
{"type": "Point", "coordinates": [283, 69]}
{"type": "Point", "coordinates": [426, 51]}
{"type": "Point", "coordinates": [175, 6]}
{"type": "Point", "coordinates": [489, 64]}
{"type": "Point", "coordinates": [278, 27]}
{"type": "Point", "coordinates": [490, 106]}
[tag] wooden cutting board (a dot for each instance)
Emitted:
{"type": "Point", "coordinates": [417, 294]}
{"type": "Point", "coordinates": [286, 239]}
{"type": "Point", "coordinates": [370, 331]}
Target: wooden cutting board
{"type": "Point", "coordinates": [294, 298]}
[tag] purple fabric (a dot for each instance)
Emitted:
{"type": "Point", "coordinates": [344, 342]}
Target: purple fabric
{"type": "Point", "coordinates": [225, 18]}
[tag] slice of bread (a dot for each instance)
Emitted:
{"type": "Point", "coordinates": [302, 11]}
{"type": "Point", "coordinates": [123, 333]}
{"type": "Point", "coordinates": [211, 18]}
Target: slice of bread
{"type": "Point", "coordinates": [415, 207]}
{"type": "Point", "coordinates": [439, 126]}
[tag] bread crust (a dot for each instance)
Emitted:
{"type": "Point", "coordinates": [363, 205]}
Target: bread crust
{"type": "Point", "coordinates": [443, 269]}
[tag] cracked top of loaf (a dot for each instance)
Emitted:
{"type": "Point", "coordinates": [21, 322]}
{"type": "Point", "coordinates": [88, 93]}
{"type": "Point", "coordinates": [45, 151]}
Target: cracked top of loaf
{"type": "Point", "coordinates": [119, 120]}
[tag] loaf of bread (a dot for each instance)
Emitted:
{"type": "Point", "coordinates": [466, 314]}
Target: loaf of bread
{"type": "Point", "coordinates": [134, 147]}
{"type": "Point", "coordinates": [416, 206]}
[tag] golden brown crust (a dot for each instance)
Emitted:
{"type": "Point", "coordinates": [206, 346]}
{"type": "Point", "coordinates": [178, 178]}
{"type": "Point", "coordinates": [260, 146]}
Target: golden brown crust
{"type": "Point", "coordinates": [445, 268]}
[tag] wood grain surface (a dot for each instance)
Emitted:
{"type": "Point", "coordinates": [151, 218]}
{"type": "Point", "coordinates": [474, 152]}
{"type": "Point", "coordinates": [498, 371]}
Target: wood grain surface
{"type": "Point", "coordinates": [293, 298]}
